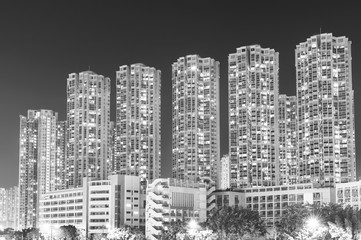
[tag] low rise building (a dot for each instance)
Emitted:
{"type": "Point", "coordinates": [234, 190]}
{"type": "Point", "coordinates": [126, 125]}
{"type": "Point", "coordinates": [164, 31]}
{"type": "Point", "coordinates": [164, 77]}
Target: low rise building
{"type": "Point", "coordinates": [114, 203]}
{"type": "Point", "coordinates": [97, 207]}
{"type": "Point", "coordinates": [271, 202]}
{"type": "Point", "coordinates": [170, 200]}
{"type": "Point", "coordinates": [349, 194]}
{"type": "Point", "coordinates": [63, 207]}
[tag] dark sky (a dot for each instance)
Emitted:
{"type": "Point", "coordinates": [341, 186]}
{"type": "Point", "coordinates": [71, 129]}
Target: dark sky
{"type": "Point", "coordinates": [41, 42]}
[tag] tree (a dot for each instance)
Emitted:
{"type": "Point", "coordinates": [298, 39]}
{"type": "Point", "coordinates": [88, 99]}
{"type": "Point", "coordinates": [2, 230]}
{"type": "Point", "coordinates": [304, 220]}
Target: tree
{"type": "Point", "coordinates": [81, 234]}
{"type": "Point", "coordinates": [68, 232]}
{"type": "Point", "coordinates": [171, 230]}
{"type": "Point", "coordinates": [16, 235]}
{"type": "Point", "coordinates": [292, 219]}
{"type": "Point", "coordinates": [335, 220]}
{"type": "Point", "coordinates": [235, 223]}
{"type": "Point", "coordinates": [126, 233]}
{"type": "Point", "coordinates": [26, 234]}
{"type": "Point", "coordinates": [338, 232]}
{"type": "Point", "coordinates": [98, 236]}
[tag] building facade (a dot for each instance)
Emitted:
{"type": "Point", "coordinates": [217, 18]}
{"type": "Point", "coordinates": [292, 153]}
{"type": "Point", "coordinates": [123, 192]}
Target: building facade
{"type": "Point", "coordinates": [9, 208]}
{"type": "Point", "coordinates": [138, 122]}
{"type": "Point", "coordinates": [63, 207]}
{"type": "Point", "coordinates": [349, 194]}
{"type": "Point", "coordinates": [195, 126]}
{"type": "Point", "coordinates": [88, 127]}
{"type": "Point", "coordinates": [287, 125]}
{"type": "Point", "coordinates": [171, 200]}
{"type": "Point", "coordinates": [96, 207]}
{"type": "Point", "coordinates": [2, 207]}
{"type": "Point", "coordinates": [253, 117]}
{"type": "Point", "coordinates": [325, 106]}
{"type": "Point", "coordinates": [61, 164]}
{"type": "Point", "coordinates": [272, 202]}
{"type": "Point", "coordinates": [12, 207]}
{"type": "Point", "coordinates": [225, 173]}
{"type": "Point", "coordinates": [37, 162]}
{"type": "Point", "coordinates": [115, 203]}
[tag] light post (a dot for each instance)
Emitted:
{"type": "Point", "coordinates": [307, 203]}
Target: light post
{"type": "Point", "coordinates": [314, 226]}
{"type": "Point", "coordinates": [193, 227]}
{"type": "Point", "coordinates": [312, 223]}
{"type": "Point", "coordinates": [47, 228]}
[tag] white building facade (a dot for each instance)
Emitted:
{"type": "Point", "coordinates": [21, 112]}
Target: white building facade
{"type": "Point", "coordinates": [349, 194]}
{"type": "Point", "coordinates": [97, 207]}
{"type": "Point", "coordinates": [88, 127]}
{"type": "Point", "coordinates": [2, 207]}
{"type": "Point", "coordinates": [271, 202]}
{"type": "Point", "coordinates": [326, 151]}
{"type": "Point", "coordinates": [61, 163]}
{"type": "Point", "coordinates": [115, 203]}
{"type": "Point", "coordinates": [170, 200]}
{"type": "Point", "coordinates": [253, 116]}
{"type": "Point", "coordinates": [195, 126]}
{"type": "Point", "coordinates": [138, 122]}
{"type": "Point", "coordinates": [37, 162]}
{"type": "Point", "coordinates": [225, 173]}
{"type": "Point", "coordinates": [287, 126]}
{"type": "Point", "coordinates": [63, 207]}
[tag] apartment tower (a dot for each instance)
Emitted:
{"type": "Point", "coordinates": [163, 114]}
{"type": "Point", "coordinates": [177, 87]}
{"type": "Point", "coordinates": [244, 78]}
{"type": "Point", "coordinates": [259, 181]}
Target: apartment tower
{"type": "Point", "coordinates": [287, 125]}
{"type": "Point", "coordinates": [195, 126]}
{"type": "Point", "coordinates": [61, 166]}
{"type": "Point", "coordinates": [253, 117]}
{"type": "Point", "coordinates": [325, 98]}
{"type": "Point", "coordinates": [37, 162]}
{"type": "Point", "coordinates": [138, 122]}
{"type": "Point", "coordinates": [88, 127]}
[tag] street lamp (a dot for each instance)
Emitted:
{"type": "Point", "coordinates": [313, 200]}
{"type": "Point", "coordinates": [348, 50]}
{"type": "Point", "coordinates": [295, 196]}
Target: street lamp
{"type": "Point", "coordinates": [44, 229]}
{"type": "Point", "coordinates": [312, 223]}
{"type": "Point", "coordinates": [193, 227]}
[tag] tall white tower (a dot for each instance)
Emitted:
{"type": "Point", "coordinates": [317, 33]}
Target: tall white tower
{"type": "Point", "coordinates": [195, 101]}
{"type": "Point", "coordinates": [88, 127]}
{"type": "Point", "coordinates": [325, 110]}
{"type": "Point", "coordinates": [138, 122]}
{"type": "Point", "coordinates": [253, 116]}
{"type": "Point", "coordinates": [287, 125]}
{"type": "Point", "coordinates": [37, 162]}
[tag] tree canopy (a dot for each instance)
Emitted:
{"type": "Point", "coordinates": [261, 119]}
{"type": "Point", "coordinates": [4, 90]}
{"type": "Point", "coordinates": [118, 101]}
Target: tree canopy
{"type": "Point", "coordinates": [234, 222]}
{"type": "Point", "coordinates": [325, 221]}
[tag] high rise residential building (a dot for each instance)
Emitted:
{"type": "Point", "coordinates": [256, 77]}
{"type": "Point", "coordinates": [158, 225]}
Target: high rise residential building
{"type": "Point", "coordinates": [2, 207]}
{"type": "Point", "coordinates": [172, 200]}
{"type": "Point", "coordinates": [225, 173]}
{"type": "Point", "coordinates": [37, 162]}
{"type": "Point", "coordinates": [96, 207]}
{"type": "Point", "coordinates": [110, 163]}
{"type": "Point", "coordinates": [138, 122]}
{"type": "Point", "coordinates": [253, 116]}
{"type": "Point", "coordinates": [61, 166]}
{"type": "Point", "coordinates": [325, 107]}
{"type": "Point", "coordinates": [12, 208]}
{"type": "Point", "coordinates": [195, 126]}
{"type": "Point", "coordinates": [88, 127]}
{"type": "Point", "coordinates": [287, 125]}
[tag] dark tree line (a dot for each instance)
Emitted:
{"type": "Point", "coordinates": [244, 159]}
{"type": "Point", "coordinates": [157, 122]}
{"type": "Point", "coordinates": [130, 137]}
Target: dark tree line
{"type": "Point", "coordinates": [332, 217]}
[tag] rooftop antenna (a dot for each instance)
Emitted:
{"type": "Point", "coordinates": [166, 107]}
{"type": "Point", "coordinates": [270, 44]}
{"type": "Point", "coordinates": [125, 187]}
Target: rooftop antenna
{"type": "Point", "coordinates": [89, 67]}
{"type": "Point", "coordinates": [320, 30]}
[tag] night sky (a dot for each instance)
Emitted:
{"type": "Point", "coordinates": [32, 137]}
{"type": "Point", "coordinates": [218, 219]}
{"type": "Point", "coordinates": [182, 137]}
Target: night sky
{"type": "Point", "coordinates": [41, 42]}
